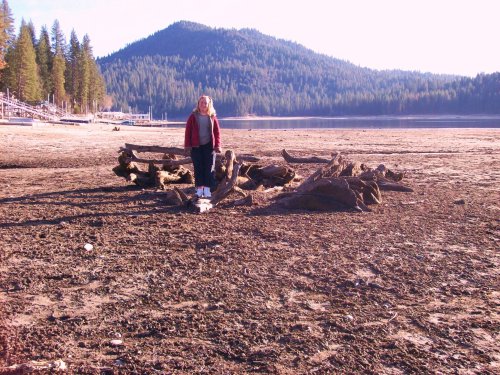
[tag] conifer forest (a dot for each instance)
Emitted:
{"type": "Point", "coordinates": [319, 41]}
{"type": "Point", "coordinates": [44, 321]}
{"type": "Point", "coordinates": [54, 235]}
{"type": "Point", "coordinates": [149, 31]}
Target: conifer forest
{"type": "Point", "coordinates": [44, 67]}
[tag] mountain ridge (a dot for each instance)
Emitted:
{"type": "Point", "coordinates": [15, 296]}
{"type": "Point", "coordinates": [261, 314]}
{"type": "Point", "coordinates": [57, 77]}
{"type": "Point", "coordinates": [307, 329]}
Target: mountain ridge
{"type": "Point", "coordinates": [247, 71]}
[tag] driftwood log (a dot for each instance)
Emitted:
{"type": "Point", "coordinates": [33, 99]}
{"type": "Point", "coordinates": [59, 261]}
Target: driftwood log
{"type": "Point", "coordinates": [171, 151]}
{"type": "Point", "coordinates": [228, 182]}
{"type": "Point", "coordinates": [338, 184]}
{"type": "Point", "coordinates": [310, 159]}
{"type": "Point", "coordinates": [170, 171]}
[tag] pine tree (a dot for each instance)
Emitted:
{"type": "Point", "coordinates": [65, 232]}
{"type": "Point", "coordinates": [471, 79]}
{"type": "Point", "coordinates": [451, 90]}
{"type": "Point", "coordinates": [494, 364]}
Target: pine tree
{"type": "Point", "coordinates": [7, 35]}
{"type": "Point", "coordinates": [72, 70]}
{"type": "Point", "coordinates": [44, 61]}
{"type": "Point", "coordinates": [84, 75]}
{"type": "Point", "coordinates": [97, 91]}
{"type": "Point", "coordinates": [92, 87]}
{"type": "Point", "coordinates": [57, 39]}
{"type": "Point", "coordinates": [58, 68]}
{"type": "Point", "coordinates": [32, 32]}
{"type": "Point", "coordinates": [58, 64]}
{"type": "Point", "coordinates": [23, 78]}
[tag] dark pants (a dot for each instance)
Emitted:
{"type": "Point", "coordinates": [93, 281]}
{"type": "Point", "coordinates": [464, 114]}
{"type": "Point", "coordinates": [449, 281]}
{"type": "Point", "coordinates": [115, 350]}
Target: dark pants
{"type": "Point", "coordinates": [202, 162]}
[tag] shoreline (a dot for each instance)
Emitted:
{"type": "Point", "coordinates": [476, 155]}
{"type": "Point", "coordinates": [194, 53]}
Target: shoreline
{"type": "Point", "coordinates": [367, 118]}
{"type": "Point", "coordinates": [302, 123]}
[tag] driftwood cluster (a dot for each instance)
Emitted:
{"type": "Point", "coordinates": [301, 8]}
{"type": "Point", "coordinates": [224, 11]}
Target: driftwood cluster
{"type": "Point", "coordinates": [338, 184]}
{"type": "Point", "coordinates": [341, 184]}
{"type": "Point", "coordinates": [170, 169]}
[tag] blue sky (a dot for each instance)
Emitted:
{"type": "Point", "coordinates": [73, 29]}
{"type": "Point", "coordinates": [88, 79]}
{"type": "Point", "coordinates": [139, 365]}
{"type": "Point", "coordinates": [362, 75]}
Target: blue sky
{"type": "Point", "coordinates": [438, 36]}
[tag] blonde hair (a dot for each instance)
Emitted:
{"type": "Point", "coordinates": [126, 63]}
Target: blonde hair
{"type": "Point", "coordinates": [211, 109]}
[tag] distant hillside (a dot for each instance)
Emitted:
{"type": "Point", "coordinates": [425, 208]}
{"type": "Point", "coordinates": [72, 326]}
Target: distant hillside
{"type": "Point", "coordinates": [248, 72]}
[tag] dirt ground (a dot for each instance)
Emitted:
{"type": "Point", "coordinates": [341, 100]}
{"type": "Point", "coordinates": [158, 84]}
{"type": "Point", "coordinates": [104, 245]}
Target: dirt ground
{"type": "Point", "coordinates": [410, 288]}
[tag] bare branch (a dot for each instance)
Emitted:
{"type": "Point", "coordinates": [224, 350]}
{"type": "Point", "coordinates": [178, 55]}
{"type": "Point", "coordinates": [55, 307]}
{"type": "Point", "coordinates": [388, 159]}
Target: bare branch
{"type": "Point", "coordinates": [310, 159]}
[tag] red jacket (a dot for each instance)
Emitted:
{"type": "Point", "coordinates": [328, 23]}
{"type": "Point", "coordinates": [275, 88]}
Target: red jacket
{"type": "Point", "coordinates": [192, 134]}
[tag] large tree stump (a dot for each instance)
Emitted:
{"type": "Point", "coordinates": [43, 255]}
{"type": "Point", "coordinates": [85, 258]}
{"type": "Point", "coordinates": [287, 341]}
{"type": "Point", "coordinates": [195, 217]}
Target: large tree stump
{"type": "Point", "coordinates": [342, 184]}
{"type": "Point", "coordinates": [325, 194]}
{"type": "Point", "coordinates": [268, 176]}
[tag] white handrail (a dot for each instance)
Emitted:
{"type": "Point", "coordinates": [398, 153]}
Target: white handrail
{"type": "Point", "coordinates": [16, 104]}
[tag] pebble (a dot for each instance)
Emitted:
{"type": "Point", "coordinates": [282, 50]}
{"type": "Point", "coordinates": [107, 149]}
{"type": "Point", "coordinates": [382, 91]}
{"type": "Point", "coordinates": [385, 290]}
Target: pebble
{"type": "Point", "coordinates": [88, 247]}
{"type": "Point", "coordinates": [116, 342]}
{"type": "Point", "coordinates": [349, 317]}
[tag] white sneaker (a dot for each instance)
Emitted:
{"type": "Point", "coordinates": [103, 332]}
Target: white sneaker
{"type": "Point", "coordinates": [199, 192]}
{"type": "Point", "coordinates": [206, 192]}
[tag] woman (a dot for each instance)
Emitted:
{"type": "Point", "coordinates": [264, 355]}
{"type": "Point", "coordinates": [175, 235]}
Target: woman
{"type": "Point", "coordinates": [202, 142]}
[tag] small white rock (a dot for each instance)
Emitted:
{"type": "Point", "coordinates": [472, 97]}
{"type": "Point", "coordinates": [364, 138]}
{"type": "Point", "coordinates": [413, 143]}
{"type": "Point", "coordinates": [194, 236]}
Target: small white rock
{"type": "Point", "coordinates": [349, 317]}
{"type": "Point", "coordinates": [88, 247]}
{"type": "Point", "coordinates": [60, 365]}
{"type": "Point", "coordinates": [116, 342]}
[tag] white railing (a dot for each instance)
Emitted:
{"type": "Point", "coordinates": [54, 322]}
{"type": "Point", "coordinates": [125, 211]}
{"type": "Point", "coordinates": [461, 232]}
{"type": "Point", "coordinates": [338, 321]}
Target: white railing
{"type": "Point", "coordinates": [13, 105]}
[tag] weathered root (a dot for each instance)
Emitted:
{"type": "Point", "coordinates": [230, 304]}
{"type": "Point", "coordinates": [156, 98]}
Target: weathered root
{"type": "Point", "coordinates": [226, 186]}
{"type": "Point", "coordinates": [385, 179]}
{"type": "Point", "coordinates": [246, 201]}
{"type": "Point", "coordinates": [124, 167]}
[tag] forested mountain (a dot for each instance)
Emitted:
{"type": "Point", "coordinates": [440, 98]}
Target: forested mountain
{"type": "Point", "coordinates": [248, 72]}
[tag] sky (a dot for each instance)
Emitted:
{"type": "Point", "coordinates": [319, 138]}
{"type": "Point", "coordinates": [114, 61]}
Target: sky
{"type": "Point", "coordinates": [438, 36]}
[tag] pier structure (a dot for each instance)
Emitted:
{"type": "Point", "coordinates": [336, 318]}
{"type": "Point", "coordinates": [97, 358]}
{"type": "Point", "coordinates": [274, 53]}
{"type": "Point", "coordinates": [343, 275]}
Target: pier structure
{"type": "Point", "coordinates": [15, 110]}
{"type": "Point", "coordinates": [11, 107]}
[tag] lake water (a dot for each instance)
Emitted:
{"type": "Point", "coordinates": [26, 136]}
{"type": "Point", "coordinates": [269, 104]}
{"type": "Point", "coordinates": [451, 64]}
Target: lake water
{"type": "Point", "coordinates": [381, 122]}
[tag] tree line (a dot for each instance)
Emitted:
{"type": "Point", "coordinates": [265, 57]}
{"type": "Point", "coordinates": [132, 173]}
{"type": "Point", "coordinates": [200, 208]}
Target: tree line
{"type": "Point", "coordinates": [47, 68]}
{"type": "Point", "coordinates": [250, 73]}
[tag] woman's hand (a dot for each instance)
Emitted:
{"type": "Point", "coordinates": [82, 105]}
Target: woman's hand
{"type": "Point", "coordinates": [217, 150]}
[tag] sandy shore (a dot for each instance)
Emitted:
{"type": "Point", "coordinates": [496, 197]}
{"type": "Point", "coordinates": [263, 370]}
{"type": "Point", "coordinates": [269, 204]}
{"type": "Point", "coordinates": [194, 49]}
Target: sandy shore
{"type": "Point", "coordinates": [411, 287]}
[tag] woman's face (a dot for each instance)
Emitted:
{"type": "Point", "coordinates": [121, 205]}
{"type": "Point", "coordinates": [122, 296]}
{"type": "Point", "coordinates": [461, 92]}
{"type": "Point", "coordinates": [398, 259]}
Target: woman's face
{"type": "Point", "coordinates": [203, 104]}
